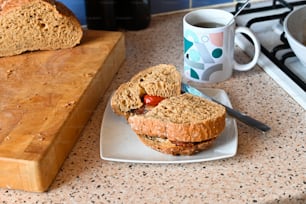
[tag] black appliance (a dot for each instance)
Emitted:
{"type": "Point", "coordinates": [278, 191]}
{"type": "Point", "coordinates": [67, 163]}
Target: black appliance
{"type": "Point", "coordinates": [118, 14]}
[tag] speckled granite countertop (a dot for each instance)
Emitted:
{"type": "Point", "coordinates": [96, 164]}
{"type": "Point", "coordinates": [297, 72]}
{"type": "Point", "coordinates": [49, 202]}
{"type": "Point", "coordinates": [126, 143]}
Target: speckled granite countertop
{"type": "Point", "coordinates": [268, 168]}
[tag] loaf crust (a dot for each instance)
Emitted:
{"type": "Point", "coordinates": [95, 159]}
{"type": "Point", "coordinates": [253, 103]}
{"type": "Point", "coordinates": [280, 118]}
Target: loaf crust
{"type": "Point", "coordinates": [161, 80]}
{"type": "Point", "coordinates": [166, 146]}
{"type": "Point", "coordinates": [29, 25]}
{"type": "Point", "coordinates": [185, 118]}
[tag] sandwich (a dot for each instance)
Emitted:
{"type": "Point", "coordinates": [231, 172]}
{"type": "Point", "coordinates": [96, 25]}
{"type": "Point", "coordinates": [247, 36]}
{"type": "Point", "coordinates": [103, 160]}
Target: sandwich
{"type": "Point", "coordinates": [165, 119]}
{"type": "Point", "coordinates": [180, 125]}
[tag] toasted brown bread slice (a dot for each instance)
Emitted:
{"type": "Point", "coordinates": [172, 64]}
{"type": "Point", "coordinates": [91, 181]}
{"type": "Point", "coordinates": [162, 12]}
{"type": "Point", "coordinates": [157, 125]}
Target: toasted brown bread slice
{"type": "Point", "coordinates": [164, 145]}
{"type": "Point", "coordinates": [184, 118]}
{"type": "Point", "coordinates": [29, 25]}
{"type": "Point", "coordinates": [161, 80]}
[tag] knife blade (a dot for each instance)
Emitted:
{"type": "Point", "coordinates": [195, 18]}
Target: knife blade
{"type": "Point", "coordinates": [234, 113]}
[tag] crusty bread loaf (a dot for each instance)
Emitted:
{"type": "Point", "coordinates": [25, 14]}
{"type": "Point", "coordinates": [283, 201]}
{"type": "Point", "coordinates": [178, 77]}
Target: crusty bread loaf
{"type": "Point", "coordinates": [164, 145]}
{"type": "Point", "coordinates": [183, 118]}
{"type": "Point", "coordinates": [161, 80]}
{"type": "Point", "coordinates": [29, 25]}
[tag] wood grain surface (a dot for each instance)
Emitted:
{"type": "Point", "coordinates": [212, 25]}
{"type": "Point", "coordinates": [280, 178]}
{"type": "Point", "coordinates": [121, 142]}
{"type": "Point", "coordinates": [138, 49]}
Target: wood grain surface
{"type": "Point", "coordinates": [46, 98]}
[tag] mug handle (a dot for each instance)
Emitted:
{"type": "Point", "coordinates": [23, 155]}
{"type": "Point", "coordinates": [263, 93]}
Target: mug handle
{"type": "Point", "coordinates": [251, 64]}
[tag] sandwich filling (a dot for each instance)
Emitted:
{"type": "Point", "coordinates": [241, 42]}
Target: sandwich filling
{"type": "Point", "coordinates": [176, 148]}
{"type": "Point", "coordinates": [149, 102]}
{"type": "Point", "coordinates": [177, 143]}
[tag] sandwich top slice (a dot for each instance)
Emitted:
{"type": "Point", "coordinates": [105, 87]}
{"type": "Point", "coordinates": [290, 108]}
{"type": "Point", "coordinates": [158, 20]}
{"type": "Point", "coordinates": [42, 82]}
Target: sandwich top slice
{"type": "Point", "coordinates": [162, 81]}
{"type": "Point", "coordinates": [180, 125]}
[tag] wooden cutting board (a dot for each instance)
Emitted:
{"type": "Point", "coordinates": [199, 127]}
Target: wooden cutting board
{"type": "Point", "coordinates": [46, 98]}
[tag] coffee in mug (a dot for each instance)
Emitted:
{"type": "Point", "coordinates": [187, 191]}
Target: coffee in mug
{"type": "Point", "coordinates": [208, 25]}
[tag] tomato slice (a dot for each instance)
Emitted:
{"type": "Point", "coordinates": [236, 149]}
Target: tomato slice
{"type": "Point", "coordinates": [152, 100]}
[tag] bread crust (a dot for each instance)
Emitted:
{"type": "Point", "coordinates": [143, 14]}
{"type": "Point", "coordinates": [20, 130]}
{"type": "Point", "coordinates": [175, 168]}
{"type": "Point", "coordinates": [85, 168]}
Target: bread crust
{"type": "Point", "coordinates": [37, 25]}
{"type": "Point", "coordinates": [161, 125]}
{"type": "Point", "coordinates": [7, 5]}
{"type": "Point", "coordinates": [167, 147]}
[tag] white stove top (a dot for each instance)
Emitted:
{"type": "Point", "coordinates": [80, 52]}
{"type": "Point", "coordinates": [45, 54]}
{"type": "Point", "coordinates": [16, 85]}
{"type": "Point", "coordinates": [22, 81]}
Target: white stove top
{"type": "Point", "coordinates": [268, 33]}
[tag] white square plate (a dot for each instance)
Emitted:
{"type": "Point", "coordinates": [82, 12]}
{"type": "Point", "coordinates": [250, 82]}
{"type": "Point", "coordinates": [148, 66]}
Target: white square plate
{"type": "Point", "coordinates": [119, 143]}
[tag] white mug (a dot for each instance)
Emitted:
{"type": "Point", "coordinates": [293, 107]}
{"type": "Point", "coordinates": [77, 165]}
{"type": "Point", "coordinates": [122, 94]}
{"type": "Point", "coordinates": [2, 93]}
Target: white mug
{"type": "Point", "coordinates": [209, 36]}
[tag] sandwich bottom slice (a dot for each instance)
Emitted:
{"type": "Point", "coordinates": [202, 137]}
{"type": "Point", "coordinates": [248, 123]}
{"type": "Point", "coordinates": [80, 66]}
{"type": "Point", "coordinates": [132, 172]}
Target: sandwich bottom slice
{"type": "Point", "coordinates": [180, 125]}
{"type": "Point", "coordinates": [164, 145]}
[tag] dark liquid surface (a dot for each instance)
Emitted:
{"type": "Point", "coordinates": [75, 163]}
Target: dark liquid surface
{"type": "Point", "coordinates": [208, 25]}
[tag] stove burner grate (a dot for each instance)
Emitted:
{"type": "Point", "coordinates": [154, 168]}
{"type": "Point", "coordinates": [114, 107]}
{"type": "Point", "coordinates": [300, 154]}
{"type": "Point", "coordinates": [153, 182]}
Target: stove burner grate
{"type": "Point", "coordinates": [276, 4]}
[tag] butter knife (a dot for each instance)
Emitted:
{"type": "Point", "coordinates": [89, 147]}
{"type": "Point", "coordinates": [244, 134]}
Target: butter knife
{"type": "Point", "coordinates": [234, 113]}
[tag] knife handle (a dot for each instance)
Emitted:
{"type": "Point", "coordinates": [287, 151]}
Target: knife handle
{"type": "Point", "coordinates": [245, 119]}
